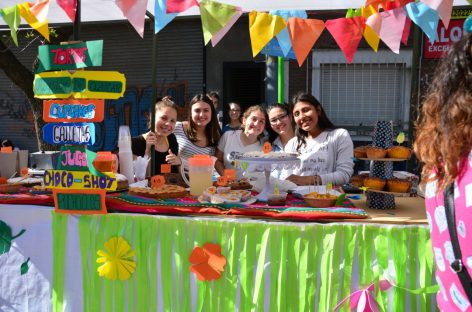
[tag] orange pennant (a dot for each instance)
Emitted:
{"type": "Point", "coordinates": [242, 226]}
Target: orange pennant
{"type": "Point", "coordinates": [304, 33]}
{"type": "Point", "coordinates": [347, 32]}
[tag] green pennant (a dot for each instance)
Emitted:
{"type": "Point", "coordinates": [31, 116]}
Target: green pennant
{"type": "Point", "coordinates": [214, 17]}
{"type": "Point", "coordinates": [11, 16]}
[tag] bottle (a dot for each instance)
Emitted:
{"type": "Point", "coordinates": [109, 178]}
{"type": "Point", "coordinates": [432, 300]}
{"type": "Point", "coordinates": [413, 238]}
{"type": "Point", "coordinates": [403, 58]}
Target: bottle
{"type": "Point", "coordinates": [125, 154]}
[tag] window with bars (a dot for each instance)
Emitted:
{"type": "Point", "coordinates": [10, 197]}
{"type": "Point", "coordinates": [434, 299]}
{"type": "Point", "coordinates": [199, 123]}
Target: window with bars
{"type": "Point", "coordinates": [376, 86]}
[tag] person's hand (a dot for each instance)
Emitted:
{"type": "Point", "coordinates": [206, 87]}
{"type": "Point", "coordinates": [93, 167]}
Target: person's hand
{"type": "Point", "coordinates": [173, 159]}
{"type": "Point", "coordinates": [309, 180]}
{"type": "Point", "coordinates": [151, 140]}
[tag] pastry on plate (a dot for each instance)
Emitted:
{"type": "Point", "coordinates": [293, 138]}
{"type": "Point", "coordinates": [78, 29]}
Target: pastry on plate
{"type": "Point", "coordinates": [399, 152]}
{"type": "Point", "coordinates": [398, 185]}
{"type": "Point", "coordinates": [360, 152]}
{"type": "Point", "coordinates": [375, 152]}
{"type": "Point", "coordinates": [374, 183]}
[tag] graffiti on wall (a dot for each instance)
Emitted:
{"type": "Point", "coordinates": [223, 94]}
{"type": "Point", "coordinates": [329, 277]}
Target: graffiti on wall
{"type": "Point", "coordinates": [133, 110]}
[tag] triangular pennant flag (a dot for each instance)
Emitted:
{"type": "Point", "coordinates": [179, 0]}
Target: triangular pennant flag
{"type": "Point", "coordinates": [406, 31]}
{"type": "Point", "coordinates": [303, 34]}
{"type": "Point", "coordinates": [426, 18]}
{"type": "Point", "coordinates": [40, 9]}
{"type": "Point", "coordinates": [273, 49]}
{"type": "Point", "coordinates": [220, 34]}
{"type": "Point", "coordinates": [347, 32]}
{"type": "Point", "coordinates": [376, 4]}
{"type": "Point", "coordinates": [262, 28]}
{"type": "Point", "coordinates": [283, 37]}
{"type": "Point", "coordinates": [135, 12]}
{"type": "Point", "coordinates": [41, 27]}
{"type": "Point", "coordinates": [177, 6]}
{"type": "Point", "coordinates": [11, 16]}
{"type": "Point", "coordinates": [443, 7]}
{"type": "Point", "coordinates": [372, 27]}
{"type": "Point", "coordinates": [69, 6]}
{"type": "Point", "coordinates": [393, 22]}
{"type": "Point", "coordinates": [215, 16]}
{"type": "Point", "coordinates": [161, 18]}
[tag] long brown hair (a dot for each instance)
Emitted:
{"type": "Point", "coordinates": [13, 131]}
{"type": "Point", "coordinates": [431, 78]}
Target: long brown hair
{"type": "Point", "coordinates": [212, 129]}
{"type": "Point", "coordinates": [444, 130]}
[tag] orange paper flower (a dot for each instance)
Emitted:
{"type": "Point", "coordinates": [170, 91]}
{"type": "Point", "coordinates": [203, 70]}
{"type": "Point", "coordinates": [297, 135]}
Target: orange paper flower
{"type": "Point", "coordinates": [207, 262]}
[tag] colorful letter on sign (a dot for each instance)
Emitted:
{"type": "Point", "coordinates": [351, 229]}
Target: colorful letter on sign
{"type": "Point", "coordinates": [70, 56]}
{"type": "Point", "coordinates": [69, 133]}
{"type": "Point", "coordinates": [73, 158]}
{"type": "Point", "coordinates": [79, 201]}
{"type": "Point", "coordinates": [73, 110]}
{"type": "Point", "coordinates": [80, 85]}
{"type": "Point", "coordinates": [78, 180]}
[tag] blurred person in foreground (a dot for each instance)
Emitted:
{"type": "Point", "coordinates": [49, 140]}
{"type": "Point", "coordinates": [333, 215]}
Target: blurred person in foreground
{"type": "Point", "coordinates": [443, 144]}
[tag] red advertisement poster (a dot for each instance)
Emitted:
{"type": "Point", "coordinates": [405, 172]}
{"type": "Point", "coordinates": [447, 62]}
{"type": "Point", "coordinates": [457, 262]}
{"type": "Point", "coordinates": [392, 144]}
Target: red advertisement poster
{"type": "Point", "coordinates": [446, 37]}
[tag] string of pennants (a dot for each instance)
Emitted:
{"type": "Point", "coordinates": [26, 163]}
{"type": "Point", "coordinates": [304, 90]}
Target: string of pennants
{"type": "Point", "coordinates": [286, 33]}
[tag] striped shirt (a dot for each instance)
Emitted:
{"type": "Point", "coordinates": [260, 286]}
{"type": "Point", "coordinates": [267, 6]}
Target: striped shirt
{"type": "Point", "coordinates": [186, 147]}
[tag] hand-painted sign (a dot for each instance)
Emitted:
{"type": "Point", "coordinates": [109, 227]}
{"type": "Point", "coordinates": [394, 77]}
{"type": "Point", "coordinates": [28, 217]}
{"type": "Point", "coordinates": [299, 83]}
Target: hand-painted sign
{"type": "Point", "coordinates": [80, 85]}
{"type": "Point", "coordinates": [80, 202]}
{"type": "Point", "coordinates": [73, 158]}
{"type": "Point", "coordinates": [69, 133]}
{"type": "Point", "coordinates": [73, 110]}
{"type": "Point", "coordinates": [70, 56]}
{"type": "Point", "coordinates": [78, 180]}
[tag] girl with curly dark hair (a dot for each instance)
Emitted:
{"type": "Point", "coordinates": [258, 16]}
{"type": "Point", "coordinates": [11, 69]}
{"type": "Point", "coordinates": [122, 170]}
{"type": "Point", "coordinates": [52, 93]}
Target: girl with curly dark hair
{"type": "Point", "coordinates": [443, 143]}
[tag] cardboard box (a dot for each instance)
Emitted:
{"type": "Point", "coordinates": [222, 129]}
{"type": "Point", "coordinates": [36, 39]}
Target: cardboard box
{"type": "Point", "coordinates": [11, 163]}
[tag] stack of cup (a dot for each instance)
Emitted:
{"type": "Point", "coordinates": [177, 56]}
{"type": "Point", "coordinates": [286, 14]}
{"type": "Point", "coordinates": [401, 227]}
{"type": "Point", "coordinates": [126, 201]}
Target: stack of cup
{"type": "Point", "coordinates": [125, 154]}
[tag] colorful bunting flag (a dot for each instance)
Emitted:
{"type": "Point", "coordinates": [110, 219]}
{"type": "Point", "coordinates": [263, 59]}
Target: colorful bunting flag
{"type": "Point", "coordinates": [273, 49]}
{"type": "Point", "coordinates": [40, 9]}
{"type": "Point", "coordinates": [347, 32]}
{"type": "Point", "coordinates": [217, 19]}
{"type": "Point", "coordinates": [283, 38]}
{"type": "Point", "coordinates": [425, 17]}
{"type": "Point", "coordinates": [134, 11]}
{"type": "Point", "coordinates": [161, 18]}
{"type": "Point", "coordinates": [443, 7]}
{"type": "Point", "coordinates": [406, 31]}
{"type": "Point", "coordinates": [11, 16]}
{"type": "Point", "coordinates": [372, 29]}
{"type": "Point", "coordinates": [177, 6]}
{"type": "Point", "coordinates": [69, 6]}
{"type": "Point", "coordinates": [304, 33]}
{"type": "Point", "coordinates": [262, 28]}
{"type": "Point", "coordinates": [41, 27]}
{"type": "Point", "coordinates": [391, 32]}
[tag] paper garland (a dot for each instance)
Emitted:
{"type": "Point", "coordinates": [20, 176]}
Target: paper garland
{"type": "Point", "coordinates": [207, 262]}
{"type": "Point", "coordinates": [117, 258]}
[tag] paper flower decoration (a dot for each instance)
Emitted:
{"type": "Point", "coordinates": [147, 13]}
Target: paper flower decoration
{"type": "Point", "coordinates": [118, 261]}
{"type": "Point", "coordinates": [207, 262]}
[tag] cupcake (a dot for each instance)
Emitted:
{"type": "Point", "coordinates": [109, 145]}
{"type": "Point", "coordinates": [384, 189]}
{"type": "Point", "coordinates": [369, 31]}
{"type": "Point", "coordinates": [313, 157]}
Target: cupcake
{"type": "Point", "coordinates": [357, 180]}
{"type": "Point", "coordinates": [360, 152]}
{"type": "Point", "coordinates": [374, 183]}
{"type": "Point", "coordinates": [398, 185]}
{"type": "Point", "coordinates": [399, 152]}
{"type": "Point", "coordinates": [375, 152]}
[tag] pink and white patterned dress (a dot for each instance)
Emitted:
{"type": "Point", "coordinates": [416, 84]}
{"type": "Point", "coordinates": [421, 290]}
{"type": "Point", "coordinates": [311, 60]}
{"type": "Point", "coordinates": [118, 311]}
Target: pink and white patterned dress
{"type": "Point", "coordinates": [451, 295]}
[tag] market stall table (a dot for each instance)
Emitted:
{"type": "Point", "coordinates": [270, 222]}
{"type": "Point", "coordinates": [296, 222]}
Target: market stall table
{"type": "Point", "coordinates": [270, 265]}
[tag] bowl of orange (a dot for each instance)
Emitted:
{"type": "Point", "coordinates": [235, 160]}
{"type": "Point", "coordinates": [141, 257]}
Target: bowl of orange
{"type": "Point", "coordinates": [318, 200]}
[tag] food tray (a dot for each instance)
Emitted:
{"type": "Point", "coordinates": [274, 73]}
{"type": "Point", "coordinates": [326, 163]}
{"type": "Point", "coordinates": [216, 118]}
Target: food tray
{"type": "Point", "coordinates": [407, 194]}
{"type": "Point", "coordinates": [384, 159]}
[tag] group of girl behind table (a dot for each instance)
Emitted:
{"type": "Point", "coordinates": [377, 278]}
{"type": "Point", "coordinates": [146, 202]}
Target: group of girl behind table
{"type": "Point", "coordinates": [325, 151]}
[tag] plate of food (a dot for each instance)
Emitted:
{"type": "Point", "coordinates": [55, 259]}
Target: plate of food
{"type": "Point", "coordinates": [220, 195]}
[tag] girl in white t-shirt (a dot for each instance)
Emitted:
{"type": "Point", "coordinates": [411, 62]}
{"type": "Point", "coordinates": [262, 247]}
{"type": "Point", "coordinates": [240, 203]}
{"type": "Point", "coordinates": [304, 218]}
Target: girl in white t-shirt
{"type": "Point", "coordinates": [249, 139]}
{"type": "Point", "coordinates": [325, 152]}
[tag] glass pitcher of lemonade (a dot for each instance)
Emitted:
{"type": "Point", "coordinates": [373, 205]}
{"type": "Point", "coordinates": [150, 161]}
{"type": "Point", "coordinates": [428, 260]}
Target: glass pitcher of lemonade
{"type": "Point", "coordinates": [200, 173]}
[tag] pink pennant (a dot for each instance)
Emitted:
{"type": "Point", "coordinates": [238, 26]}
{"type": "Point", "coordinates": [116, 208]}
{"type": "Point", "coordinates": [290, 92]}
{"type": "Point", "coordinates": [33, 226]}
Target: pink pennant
{"type": "Point", "coordinates": [347, 32]}
{"type": "Point", "coordinates": [177, 6]}
{"type": "Point", "coordinates": [391, 32]}
{"type": "Point", "coordinates": [40, 10]}
{"type": "Point", "coordinates": [362, 300]}
{"type": "Point", "coordinates": [443, 7]}
{"type": "Point", "coordinates": [375, 22]}
{"type": "Point", "coordinates": [134, 11]}
{"type": "Point", "coordinates": [69, 6]}
{"type": "Point", "coordinates": [406, 31]}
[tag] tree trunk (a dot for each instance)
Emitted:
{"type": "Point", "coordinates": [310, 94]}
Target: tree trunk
{"type": "Point", "coordinates": [23, 78]}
